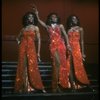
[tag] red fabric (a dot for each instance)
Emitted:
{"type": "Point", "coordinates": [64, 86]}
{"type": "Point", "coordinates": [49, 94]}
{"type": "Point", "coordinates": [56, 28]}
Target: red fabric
{"type": "Point", "coordinates": [57, 44]}
{"type": "Point", "coordinates": [80, 73]}
{"type": "Point", "coordinates": [27, 47]}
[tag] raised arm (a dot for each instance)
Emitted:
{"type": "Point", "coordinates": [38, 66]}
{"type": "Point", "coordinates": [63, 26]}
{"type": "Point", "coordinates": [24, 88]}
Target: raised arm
{"type": "Point", "coordinates": [40, 21]}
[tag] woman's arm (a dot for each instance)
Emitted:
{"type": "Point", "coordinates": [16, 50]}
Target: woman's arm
{"type": "Point", "coordinates": [39, 42]}
{"type": "Point", "coordinates": [66, 36]}
{"type": "Point", "coordinates": [82, 42]}
{"type": "Point", "coordinates": [40, 21]}
{"type": "Point", "coordinates": [18, 39]}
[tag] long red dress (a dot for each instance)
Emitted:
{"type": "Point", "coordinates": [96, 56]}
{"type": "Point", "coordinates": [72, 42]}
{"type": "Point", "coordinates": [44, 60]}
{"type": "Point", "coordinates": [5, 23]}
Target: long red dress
{"type": "Point", "coordinates": [57, 44]}
{"type": "Point", "coordinates": [80, 73]}
{"type": "Point", "coordinates": [27, 74]}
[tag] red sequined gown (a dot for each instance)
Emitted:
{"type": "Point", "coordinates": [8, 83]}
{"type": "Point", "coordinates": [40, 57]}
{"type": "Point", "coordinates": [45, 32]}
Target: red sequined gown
{"type": "Point", "coordinates": [57, 44]}
{"type": "Point", "coordinates": [80, 73]}
{"type": "Point", "coordinates": [28, 74]}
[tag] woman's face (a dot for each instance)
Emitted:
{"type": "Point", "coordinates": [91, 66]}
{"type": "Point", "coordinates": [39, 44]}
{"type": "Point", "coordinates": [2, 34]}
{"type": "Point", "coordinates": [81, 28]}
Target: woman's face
{"type": "Point", "coordinates": [74, 20]}
{"type": "Point", "coordinates": [54, 18]}
{"type": "Point", "coordinates": [30, 17]}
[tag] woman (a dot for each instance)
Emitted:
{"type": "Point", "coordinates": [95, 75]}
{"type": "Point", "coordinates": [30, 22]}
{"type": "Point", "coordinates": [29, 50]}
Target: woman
{"type": "Point", "coordinates": [28, 76]}
{"type": "Point", "coordinates": [77, 72]}
{"type": "Point", "coordinates": [57, 49]}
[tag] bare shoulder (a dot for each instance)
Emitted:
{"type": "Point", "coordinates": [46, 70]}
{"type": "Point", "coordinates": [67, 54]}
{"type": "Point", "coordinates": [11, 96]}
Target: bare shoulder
{"type": "Point", "coordinates": [81, 31]}
{"type": "Point", "coordinates": [81, 28]}
{"type": "Point", "coordinates": [36, 28]}
{"type": "Point", "coordinates": [61, 25]}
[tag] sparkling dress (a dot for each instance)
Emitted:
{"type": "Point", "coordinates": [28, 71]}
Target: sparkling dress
{"type": "Point", "coordinates": [27, 74]}
{"type": "Point", "coordinates": [57, 44]}
{"type": "Point", "coordinates": [79, 70]}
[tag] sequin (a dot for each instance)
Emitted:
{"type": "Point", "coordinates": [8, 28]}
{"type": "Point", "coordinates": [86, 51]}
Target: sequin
{"type": "Point", "coordinates": [32, 74]}
{"type": "Point", "coordinates": [80, 73]}
{"type": "Point", "coordinates": [57, 43]}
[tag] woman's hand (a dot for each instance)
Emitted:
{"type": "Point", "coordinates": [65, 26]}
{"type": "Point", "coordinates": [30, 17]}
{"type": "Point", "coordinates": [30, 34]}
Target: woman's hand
{"type": "Point", "coordinates": [35, 9]}
{"type": "Point", "coordinates": [38, 55]}
{"type": "Point", "coordinates": [69, 48]}
{"type": "Point", "coordinates": [83, 56]}
{"type": "Point", "coordinates": [17, 41]}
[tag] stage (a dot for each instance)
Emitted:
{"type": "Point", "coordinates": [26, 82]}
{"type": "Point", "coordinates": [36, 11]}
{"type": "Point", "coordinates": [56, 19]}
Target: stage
{"type": "Point", "coordinates": [85, 95]}
{"type": "Point", "coordinates": [8, 78]}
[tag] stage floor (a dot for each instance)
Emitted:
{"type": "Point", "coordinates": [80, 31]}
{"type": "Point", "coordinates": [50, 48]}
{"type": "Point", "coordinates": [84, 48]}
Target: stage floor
{"type": "Point", "coordinates": [83, 94]}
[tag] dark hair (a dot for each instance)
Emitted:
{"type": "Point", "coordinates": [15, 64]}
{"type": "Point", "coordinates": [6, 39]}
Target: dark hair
{"type": "Point", "coordinates": [70, 23]}
{"type": "Point", "coordinates": [26, 22]}
{"type": "Point", "coordinates": [49, 19]}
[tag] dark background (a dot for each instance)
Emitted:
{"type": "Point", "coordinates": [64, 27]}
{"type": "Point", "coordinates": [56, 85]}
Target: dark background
{"type": "Point", "coordinates": [13, 10]}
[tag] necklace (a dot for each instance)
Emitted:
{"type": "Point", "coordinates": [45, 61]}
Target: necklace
{"type": "Point", "coordinates": [53, 25]}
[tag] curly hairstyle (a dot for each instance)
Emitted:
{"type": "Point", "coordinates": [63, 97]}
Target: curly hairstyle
{"type": "Point", "coordinates": [70, 22]}
{"type": "Point", "coordinates": [49, 20]}
{"type": "Point", "coordinates": [25, 20]}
